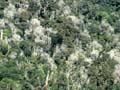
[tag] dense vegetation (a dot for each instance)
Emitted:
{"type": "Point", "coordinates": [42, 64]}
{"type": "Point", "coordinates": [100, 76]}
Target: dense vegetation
{"type": "Point", "coordinates": [59, 44]}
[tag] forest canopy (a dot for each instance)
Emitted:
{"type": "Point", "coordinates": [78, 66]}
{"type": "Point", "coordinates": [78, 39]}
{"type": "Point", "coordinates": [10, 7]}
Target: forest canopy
{"type": "Point", "coordinates": [59, 44]}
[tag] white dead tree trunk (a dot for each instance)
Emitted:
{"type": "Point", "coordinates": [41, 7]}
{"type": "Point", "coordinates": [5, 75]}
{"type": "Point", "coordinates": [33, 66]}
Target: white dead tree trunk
{"type": "Point", "coordinates": [46, 82]}
{"type": "Point", "coordinates": [1, 34]}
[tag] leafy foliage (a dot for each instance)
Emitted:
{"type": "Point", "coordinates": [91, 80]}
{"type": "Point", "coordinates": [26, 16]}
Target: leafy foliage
{"type": "Point", "coordinates": [59, 45]}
